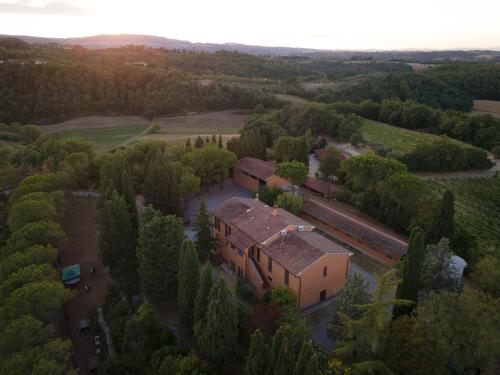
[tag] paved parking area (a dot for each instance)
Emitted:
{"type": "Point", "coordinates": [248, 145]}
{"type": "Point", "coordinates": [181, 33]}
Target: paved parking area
{"type": "Point", "coordinates": [319, 320]}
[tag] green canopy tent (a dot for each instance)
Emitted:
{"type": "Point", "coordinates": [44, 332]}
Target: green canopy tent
{"type": "Point", "coordinates": [70, 275]}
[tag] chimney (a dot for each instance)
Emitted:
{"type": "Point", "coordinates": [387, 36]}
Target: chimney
{"type": "Point", "coordinates": [274, 211]}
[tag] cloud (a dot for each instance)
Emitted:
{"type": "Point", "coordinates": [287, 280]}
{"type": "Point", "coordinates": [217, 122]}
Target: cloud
{"type": "Point", "coordinates": [66, 8]}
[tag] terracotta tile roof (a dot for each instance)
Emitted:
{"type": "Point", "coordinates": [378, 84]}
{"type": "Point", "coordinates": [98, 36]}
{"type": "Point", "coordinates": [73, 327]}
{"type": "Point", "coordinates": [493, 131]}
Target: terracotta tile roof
{"type": "Point", "coordinates": [256, 167]}
{"type": "Point", "coordinates": [254, 218]}
{"type": "Point", "coordinates": [255, 223]}
{"type": "Point", "coordinates": [370, 235]}
{"type": "Point", "coordinates": [239, 240]}
{"type": "Point", "coordinates": [320, 186]}
{"type": "Point", "coordinates": [298, 250]}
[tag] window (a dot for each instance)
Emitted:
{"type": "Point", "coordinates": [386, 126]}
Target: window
{"type": "Point", "coordinates": [240, 252]}
{"type": "Point", "coordinates": [252, 251]}
{"type": "Point", "coordinates": [325, 271]}
{"type": "Point", "coordinates": [217, 223]}
{"type": "Point", "coordinates": [269, 264]}
{"type": "Point", "coordinates": [258, 255]}
{"type": "Point", "coordinates": [287, 277]}
{"type": "Point", "coordinates": [227, 229]}
{"type": "Point", "coordinates": [233, 266]}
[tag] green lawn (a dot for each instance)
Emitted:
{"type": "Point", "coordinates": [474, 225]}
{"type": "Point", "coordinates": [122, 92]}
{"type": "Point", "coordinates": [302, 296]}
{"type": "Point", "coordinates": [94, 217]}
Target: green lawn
{"type": "Point", "coordinates": [398, 139]}
{"type": "Point", "coordinates": [477, 203]}
{"type": "Point", "coordinates": [106, 138]}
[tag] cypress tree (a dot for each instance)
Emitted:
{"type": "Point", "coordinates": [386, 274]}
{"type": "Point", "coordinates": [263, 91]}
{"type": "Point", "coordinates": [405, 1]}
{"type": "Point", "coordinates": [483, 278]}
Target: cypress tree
{"type": "Point", "coordinates": [128, 193]}
{"type": "Point", "coordinates": [188, 145]}
{"type": "Point", "coordinates": [312, 367]}
{"type": "Point", "coordinates": [409, 285]}
{"type": "Point", "coordinates": [285, 360]}
{"type": "Point", "coordinates": [207, 140]}
{"type": "Point", "coordinates": [218, 335]}
{"type": "Point", "coordinates": [161, 187]}
{"type": "Point", "coordinates": [198, 143]}
{"type": "Point", "coordinates": [160, 240]}
{"type": "Point", "coordinates": [443, 225]}
{"type": "Point", "coordinates": [306, 352]}
{"type": "Point", "coordinates": [286, 345]}
{"type": "Point", "coordinates": [201, 300]}
{"type": "Point", "coordinates": [221, 144]}
{"type": "Point", "coordinates": [214, 140]}
{"type": "Point", "coordinates": [117, 239]}
{"type": "Point", "coordinates": [258, 355]}
{"type": "Point", "coordinates": [204, 241]}
{"type": "Point", "coordinates": [188, 280]}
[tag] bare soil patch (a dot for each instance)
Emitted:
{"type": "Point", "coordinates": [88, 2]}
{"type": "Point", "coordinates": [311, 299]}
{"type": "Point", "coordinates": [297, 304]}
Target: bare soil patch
{"type": "Point", "coordinates": [95, 122]}
{"type": "Point", "coordinates": [79, 223]}
{"type": "Point", "coordinates": [487, 106]}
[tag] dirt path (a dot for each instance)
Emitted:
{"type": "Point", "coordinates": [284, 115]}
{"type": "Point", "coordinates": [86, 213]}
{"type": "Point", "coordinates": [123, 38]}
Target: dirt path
{"type": "Point", "coordinates": [137, 136]}
{"type": "Point", "coordinates": [80, 226]}
{"type": "Point", "coordinates": [462, 174]}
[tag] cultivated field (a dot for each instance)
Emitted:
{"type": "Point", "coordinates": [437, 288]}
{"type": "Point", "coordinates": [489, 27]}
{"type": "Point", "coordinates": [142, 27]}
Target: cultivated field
{"type": "Point", "coordinates": [108, 132]}
{"type": "Point", "coordinates": [487, 106]}
{"type": "Point", "coordinates": [477, 202]}
{"type": "Point", "coordinates": [105, 132]}
{"type": "Point", "coordinates": [177, 129]}
{"type": "Point", "coordinates": [398, 139]}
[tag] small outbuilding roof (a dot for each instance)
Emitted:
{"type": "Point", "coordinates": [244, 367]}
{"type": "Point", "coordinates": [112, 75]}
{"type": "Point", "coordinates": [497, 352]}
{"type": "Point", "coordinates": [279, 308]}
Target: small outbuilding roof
{"type": "Point", "coordinates": [84, 324]}
{"type": "Point", "coordinates": [71, 275]}
{"type": "Point", "coordinates": [256, 167]}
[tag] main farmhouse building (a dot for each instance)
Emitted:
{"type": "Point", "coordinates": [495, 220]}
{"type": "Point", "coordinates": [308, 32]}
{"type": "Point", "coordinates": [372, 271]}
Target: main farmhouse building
{"type": "Point", "coordinates": [269, 247]}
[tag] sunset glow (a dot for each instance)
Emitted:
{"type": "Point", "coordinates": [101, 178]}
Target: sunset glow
{"type": "Point", "coordinates": [361, 24]}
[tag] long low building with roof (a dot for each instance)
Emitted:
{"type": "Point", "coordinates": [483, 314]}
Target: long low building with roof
{"type": "Point", "coordinates": [270, 247]}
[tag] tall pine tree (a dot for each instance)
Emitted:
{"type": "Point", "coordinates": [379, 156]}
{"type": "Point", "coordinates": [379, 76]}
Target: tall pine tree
{"type": "Point", "coordinates": [188, 280]}
{"type": "Point", "coordinates": [443, 224]}
{"type": "Point", "coordinates": [204, 241]}
{"type": "Point", "coordinates": [221, 144]}
{"type": "Point", "coordinates": [117, 239]}
{"type": "Point", "coordinates": [409, 285]}
{"type": "Point", "coordinates": [218, 336]}
{"type": "Point", "coordinates": [158, 251]}
{"type": "Point", "coordinates": [201, 300]}
{"type": "Point", "coordinates": [258, 355]}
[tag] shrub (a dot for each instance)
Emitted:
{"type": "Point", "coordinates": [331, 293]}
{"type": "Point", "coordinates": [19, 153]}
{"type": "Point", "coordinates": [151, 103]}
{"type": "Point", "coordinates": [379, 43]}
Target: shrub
{"type": "Point", "coordinates": [356, 139]}
{"type": "Point", "coordinates": [290, 202]}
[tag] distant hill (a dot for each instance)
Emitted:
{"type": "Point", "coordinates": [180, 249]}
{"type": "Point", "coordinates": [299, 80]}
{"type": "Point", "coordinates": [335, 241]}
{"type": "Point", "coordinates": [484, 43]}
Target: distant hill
{"type": "Point", "coordinates": [109, 41]}
{"type": "Point", "coordinates": [418, 56]}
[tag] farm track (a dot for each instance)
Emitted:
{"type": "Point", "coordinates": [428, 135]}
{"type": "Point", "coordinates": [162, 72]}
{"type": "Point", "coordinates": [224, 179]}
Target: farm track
{"type": "Point", "coordinates": [461, 174]}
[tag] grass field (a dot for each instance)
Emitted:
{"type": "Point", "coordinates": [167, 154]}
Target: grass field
{"type": "Point", "coordinates": [106, 138]}
{"type": "Point", "coordinates": [477, 205]}
{"type": "Point", "coordinates": [222, 122]}
{"type": "Point", "coordinates": [486, 106]}
{"type": "Point", "coordinates": [398, 139]}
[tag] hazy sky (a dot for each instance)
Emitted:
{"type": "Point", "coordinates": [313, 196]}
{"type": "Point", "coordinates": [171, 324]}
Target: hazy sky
{"type": "Point", "coordinates": [328, 24]}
